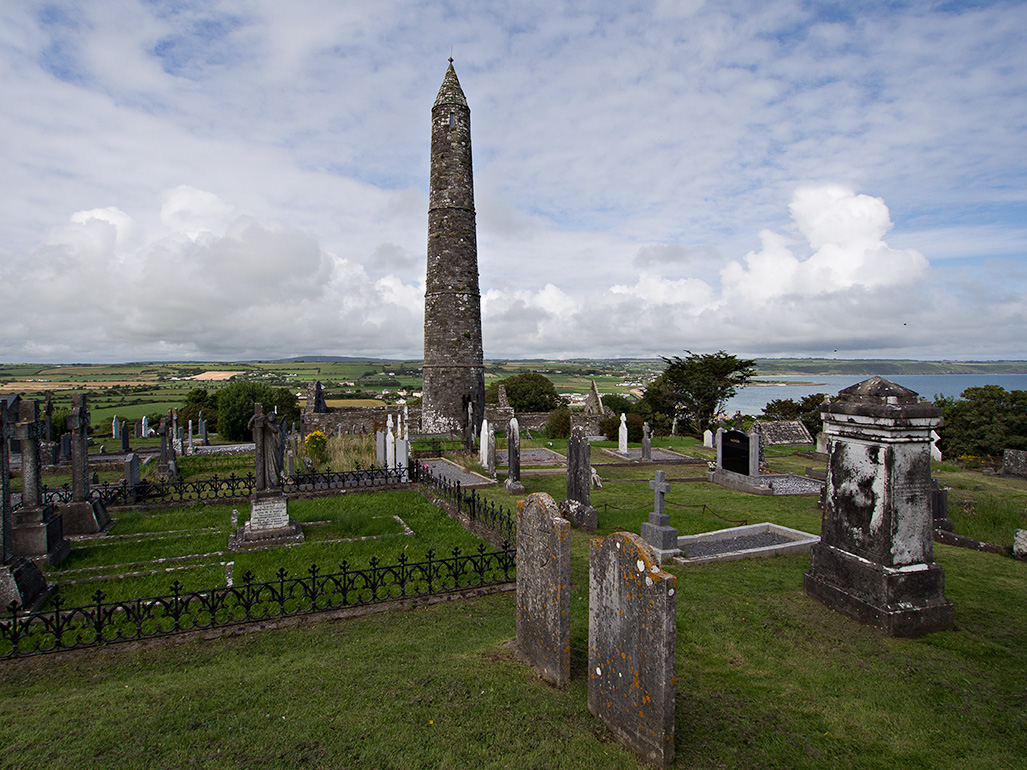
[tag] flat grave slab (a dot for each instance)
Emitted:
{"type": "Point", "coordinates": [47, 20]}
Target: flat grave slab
{"type": "Point", "coordinates": [452, 472]}
{"type": "Point", "coordinates": [659, 455]}
{"type": "Point", "coordinates": [533, 456]}
{"type": "Point", "coordinates": [750, 541]}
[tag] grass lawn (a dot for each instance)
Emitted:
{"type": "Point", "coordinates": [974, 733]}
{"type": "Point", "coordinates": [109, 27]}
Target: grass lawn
{"type": "Point", "coordinates": [766, 676]}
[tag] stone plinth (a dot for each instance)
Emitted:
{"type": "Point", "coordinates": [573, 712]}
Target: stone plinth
{"type": "Point", "coordinates": [657, 532]}
{"type": "Point", "coordinates": [543, 588]}
{"type": "Point", "coordinates": [82, 516]}
{"type": "Point", "coordinates": [269, 523]}
{"type": "Point", "coordinates": [36, 530]}
{"type": "Point", "coordinates": [875, 560]}
{"type": "Point", "coordinates": [22, 582]}
{"type": "Point", "coordinates": [632, 640]}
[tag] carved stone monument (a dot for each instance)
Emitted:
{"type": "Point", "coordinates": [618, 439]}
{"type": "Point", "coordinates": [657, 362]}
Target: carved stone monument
{"type": "Point", "coordinates": [577, 508]}
{"type": "Point", "coordinates": [83, 515]}
{"type": "Point", "coordinates": [37, 530]}
{"type": "Point", "coordinates": [632, 641]}
{"type": "Point", "coordinates": [647, 444]}
{"type": "Point", "coordinates": [513, 483]}
{"type": "Point", "coordinates": [269, 522]}
{"type": "Point", "coordinates": [622, 435]}
{"type": "Point", "coordinates": [543, 588]}
{"type": "Point", "coordinates": [662, 537]}
{"type": "Point", "coordinates": [20, 579]}
{"type": "Point", "coordinates": [875, 558]}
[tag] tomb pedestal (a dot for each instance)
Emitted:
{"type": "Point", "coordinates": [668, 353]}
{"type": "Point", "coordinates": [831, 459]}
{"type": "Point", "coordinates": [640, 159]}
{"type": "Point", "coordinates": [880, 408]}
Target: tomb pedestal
{"type": "Point", "coordinates": [22, 582]}
{"type": "Point", "coordinates": [85, 517]}
{"type": "Point", "coordinates": [875, 559]}
{"type": "Point", "coordinates": [39, 532]}
{"type": "Point", "coordinates": [269, 523]}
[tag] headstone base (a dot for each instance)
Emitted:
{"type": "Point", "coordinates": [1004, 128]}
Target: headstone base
{"type": "Point", "coordinates": [85, 518]}
{"type": "Point", "coordinates": [903, 602]}
{"type": "Point", "coordinates": [22, 582]}
{"type": "Point", "coordinates": [580, 515]}
{"type": "Point", "coordinates": [269, 524]}
{"type": "Point", "coordinates": [39, 532]}
{"type": "Point", "coordinates": [1020, 544]}
{"type": "Point", "coordinates": [514, 487]}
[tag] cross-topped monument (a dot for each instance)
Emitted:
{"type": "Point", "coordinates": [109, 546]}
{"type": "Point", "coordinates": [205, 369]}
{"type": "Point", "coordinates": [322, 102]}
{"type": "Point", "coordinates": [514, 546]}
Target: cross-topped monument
{"type": "Point", "coordinates": [83, 515]}
{"type": "Point", "coordinates": [36, 529]}
{"type": "Point", "coordinates": [657, 531]}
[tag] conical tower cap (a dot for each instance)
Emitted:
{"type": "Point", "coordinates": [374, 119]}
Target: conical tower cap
{"type": "Point", "coordinates": [450, 92]}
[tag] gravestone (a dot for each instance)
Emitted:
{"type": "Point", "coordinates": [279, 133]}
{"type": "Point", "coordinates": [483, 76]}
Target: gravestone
{"type": "Point", "coordinates": [132, 476]}
{"type": "Point", "coordinates": [513, 483]}
{"type": "Point", "coordinates": [36, 530]}
{"type": "Point", "coordinates": [734, 451]}
{"type": "Point", "coordinates": [504, 402]}
{"type": "Point", "coordinates": [707, 438]}
{"type": "Point", "coordinates": [543, 588]}
{"type": "Point", "coordinates": [115, 427]}
{"type": "Point", "coordinates": [65, 447]}
{"type": "Point", "coordinates": [755, 453]}
{"type": "Point", "coordinates": [875, 558]}
{"type": "Point", "coordinates": [577, 508]}
{"type": "Point", "coordinates": [647, 444]}
{"type": "Point", "coordinates": [674, 427]}
{"type": "Point", "coordinates": [269, 522]}
{"type": "Point", "coordinates": [379, 448]}
{"type": "Point", "coordinates": [657, 532]}
{"type": "Point", "coordinates": [290, 464]}
{"type": "Point", "coordinates": [390, 445]}
{"type": "Point", "coordinates": [632, 641]}
{"type": "Point", "coordinates": [483, 444]}
{"type": "Point", "coordinates": [124, 438]}
{"type": "Point", "coordinates": [491, 456]}
{"type": "Point", "coordinates": [20, 579]}
{"type": "Point", "coordinates": [1014, 462]}
{"type": "Point", "coordinates": [83, 515]}
{"type": "Point", "coordinates": [403, 457]}
{"type": "Point", "coordinates": [145, 427]}
{"type": "Point", "coordinates": [1020, 544]}
{"type": "Point", "coordinates": [48, 418]}
{"type": "Point", "coordinates": [469, 426]}
{"type": "Point", "coordinates": [940, 507]}
{"type": "Point", "coordinates": [190, 450]}
{"type": "Point", "coordinates": [622, 435]}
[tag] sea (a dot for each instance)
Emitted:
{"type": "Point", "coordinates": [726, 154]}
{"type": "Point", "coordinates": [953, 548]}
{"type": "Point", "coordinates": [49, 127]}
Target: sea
{"type": "Point", "coordinates": [751, 399]}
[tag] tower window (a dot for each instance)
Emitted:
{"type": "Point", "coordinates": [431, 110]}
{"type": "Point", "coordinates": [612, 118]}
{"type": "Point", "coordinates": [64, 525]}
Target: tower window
{"type": "Point", "coordinates": [452, 120]}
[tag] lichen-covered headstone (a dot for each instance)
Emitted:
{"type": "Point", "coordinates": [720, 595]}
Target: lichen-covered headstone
{"type": "Point", "coordinates": [647, 444]}
{"type": "Point", "coordinates": [83, 515]}
{"type": "Point", "coordinates": [543, 588]}
{"type": "Point", "coordinates": [632, 640]}
{"type": "Point", "coordinates": [875, 558]}
{"type": "Point", "coordinates": [577, 508]}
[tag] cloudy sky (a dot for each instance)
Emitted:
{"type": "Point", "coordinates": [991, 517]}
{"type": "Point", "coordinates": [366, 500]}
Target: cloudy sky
{"type": "Point", "coordinates": [220, 180]}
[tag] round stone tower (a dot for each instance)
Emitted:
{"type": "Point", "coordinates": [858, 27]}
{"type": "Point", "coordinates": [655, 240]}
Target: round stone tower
{"type": "Point", "coordinates": [454, 372]}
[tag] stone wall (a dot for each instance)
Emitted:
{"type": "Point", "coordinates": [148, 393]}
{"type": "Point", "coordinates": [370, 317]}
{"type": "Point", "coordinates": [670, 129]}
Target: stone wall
{"type": "Point", "coordinates": [355, 419]}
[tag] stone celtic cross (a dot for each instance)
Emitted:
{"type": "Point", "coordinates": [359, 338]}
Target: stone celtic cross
{"type": "Point", "coordinates": [661, 488]}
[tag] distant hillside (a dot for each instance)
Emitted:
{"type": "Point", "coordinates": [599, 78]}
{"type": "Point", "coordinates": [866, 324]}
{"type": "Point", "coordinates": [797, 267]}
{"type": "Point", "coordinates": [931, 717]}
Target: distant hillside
{"type": "Point", "coordinates": [814, 366]}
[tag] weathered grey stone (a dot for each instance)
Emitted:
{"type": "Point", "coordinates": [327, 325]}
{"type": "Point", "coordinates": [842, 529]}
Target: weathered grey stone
{"type": "Point", "coordinates": [483, 444]}
{"type": "Point", "coordinates": [124, 438]}
{"type": "Point", "coordinates": [782, 432]}
{"type": "Point", "coordinates": [513, 483]}
{"type": "Point", "coordinates": [132, 474]}
{"type": "Point", "coordinates": [657, 532]}
{"type": "Point", "coordinates": [647, 444]}
{"type": "Point", "coordinates": [622, 434]}
{"type": "Point", "coordinates": [875, 560]}
{"type": "Point", "coordinates": [594, 403]}
{"type": "Point", "coordinates": [315, 403]}
{"type": "Point", "coordinates": [1020, 544]}
{"type": "Point", "coordinates": [82, 516]}
{"type": "Point", "coordinates": [1014, 462]}
{"type": "Point", "coordinates": [490, 458]}
{"type": "Point", "coordinates": [632, 641]}
{"type": "Point", "coordinates": [543, 588]}
{"type": "Point", "coordinates": [37, 530]}
{"type": "Point", "coordinates": [454, 371]}
{"type": "Point", "coordinates": [580, 515]}
{"type": "Point", "coordinates": [579, 467]}
{"type": "Point", "coordinates": [269, 449]}
{"type": "Point", "coordinates": [379, 448]}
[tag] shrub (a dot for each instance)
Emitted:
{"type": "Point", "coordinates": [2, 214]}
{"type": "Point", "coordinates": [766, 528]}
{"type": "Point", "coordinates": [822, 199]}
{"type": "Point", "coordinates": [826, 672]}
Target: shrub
{"type": "Point", "coordinates": [559, 423]}
{"type": "Point", "coordinates": [316, 444]}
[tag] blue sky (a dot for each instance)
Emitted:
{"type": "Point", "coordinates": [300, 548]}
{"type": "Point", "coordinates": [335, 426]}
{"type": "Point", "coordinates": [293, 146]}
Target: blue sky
{"type": "Point", "coordinates": [224, 180]}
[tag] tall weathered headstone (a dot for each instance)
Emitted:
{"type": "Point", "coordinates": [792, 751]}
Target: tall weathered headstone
{"type": "Point", "coordinates": [647, 444]}
{"type": "Point", "coordinates": [483, 444]}
{"type": "Point", "coordinates": [454, 371]}
{"type": "Point", "coordinates": [513, 483]}
{"type": "Point", "coordinates": [379, 448]}
{"type": "Point", "coordinates": [657, 532]}
{"type": "Point", "coordinates": [543, 588]}
{"type": "Point", "coordinates": [132, 476]}
{"type": "Point", "coordinates": [115, 427]}
{"type": "Point", "coordinates": [577, 508]}
{"type": "Point", "coordinates": [875, 558]}
{"type": "Point", "coordinates": [490, 458]}
{"type": "Point", "coordinates": [145, 423]}
{"type": "Point", "coordinates": [632, 641]}
{"type": "Point", "coordinates": [37, 530]}
{"type": "Point", "coordinates": [83, 515]}
{"type": "Point", "coordinates": [269, 522]}
{"type": "Point", "coordinates": [20, 579]}
{"type": "Point", "coordinates": [390, 444]}
{"type": "Point", "coordinates": [622, 434]}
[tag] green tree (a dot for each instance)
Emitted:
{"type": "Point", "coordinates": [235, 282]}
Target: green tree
{"type": "Point", "coordinates": [199, 400]}
{"type": "Point", "coordinates": [235, 408]}
{"type": "Point", "coordinates": [806, 410]}
{"type": "Point", "coordinates": [635, 423]}
{"type": "Point", "coordinates": [559, 423]}
{"type": "Point", "coordinates": [984, 422]}
{"type": "Point", "coordinates": [697, 387]}
{"type": "Point", "coordinates": [620, 404]}
{"type": "Point", "coordinates": [527, 392]}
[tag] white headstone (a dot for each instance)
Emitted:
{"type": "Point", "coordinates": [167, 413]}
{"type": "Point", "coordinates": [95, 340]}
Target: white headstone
{"type": "Point", "coordinates": [115, 428]}
{"type": "Point", "coordinates": [622, 445]}
{"type": "Point", "coordinates": [483, 444]}
{"type": "Point", "coordinates": [707, 438]}
{"type": "Point", "coordinates": [935, 452]}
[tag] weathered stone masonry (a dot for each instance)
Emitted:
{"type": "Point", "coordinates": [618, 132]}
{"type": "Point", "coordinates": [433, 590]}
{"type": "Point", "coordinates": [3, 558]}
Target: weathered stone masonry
{"type": "Point", "coordinates": [454, 372]}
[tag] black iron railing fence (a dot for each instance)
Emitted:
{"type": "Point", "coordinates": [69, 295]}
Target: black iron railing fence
{"type": "Point", "coordinates": [179, 612]}
{"type": "Point", "coordinates": [469, 503]}
{"type": "Point", "coordinates": [223, 487]}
